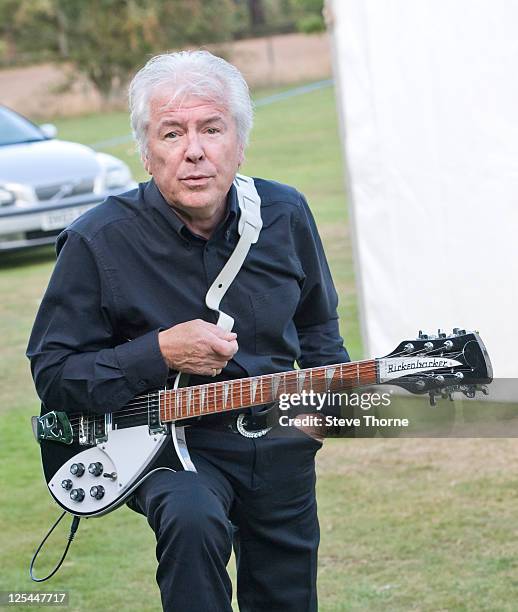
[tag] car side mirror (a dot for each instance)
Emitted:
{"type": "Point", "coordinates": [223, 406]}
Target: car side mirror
{"type": "Point", "coordinates": [49, 130]}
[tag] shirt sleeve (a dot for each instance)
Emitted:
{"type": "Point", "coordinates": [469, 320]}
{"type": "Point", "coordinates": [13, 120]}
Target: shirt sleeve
{"type": "Point", "coordinates": [78, 361]}
{"type": "Point", "coordinates": [316, 318]}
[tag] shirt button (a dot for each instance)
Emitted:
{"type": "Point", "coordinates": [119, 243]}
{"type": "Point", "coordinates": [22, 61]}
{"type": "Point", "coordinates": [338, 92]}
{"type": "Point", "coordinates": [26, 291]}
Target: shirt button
{"type": "Point", "coordinates": [141, 383]}
{"type": "Point", "coordinates": [187, 245]}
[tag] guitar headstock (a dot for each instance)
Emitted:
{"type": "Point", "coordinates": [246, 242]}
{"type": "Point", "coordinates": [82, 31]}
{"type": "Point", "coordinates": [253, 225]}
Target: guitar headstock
{"type": "Point", "coordinates": [438, 364]}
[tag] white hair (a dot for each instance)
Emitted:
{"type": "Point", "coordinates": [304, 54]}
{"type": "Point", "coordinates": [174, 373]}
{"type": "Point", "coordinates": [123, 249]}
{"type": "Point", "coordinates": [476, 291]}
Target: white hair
{"type": "Point", "coordinates": [190, 73]}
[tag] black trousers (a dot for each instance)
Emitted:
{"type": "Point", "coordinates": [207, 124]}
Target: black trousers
{"type": "Point", "coordinates": [255, 494]}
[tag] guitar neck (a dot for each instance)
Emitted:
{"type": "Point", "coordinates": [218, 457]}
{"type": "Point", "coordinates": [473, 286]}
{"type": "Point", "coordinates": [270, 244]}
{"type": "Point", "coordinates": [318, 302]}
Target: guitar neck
{"type": "Point", "coordinates": [218, 397]}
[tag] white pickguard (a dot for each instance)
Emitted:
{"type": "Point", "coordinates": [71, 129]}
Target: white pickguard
{"type": "Point", "coordinates": [127, 453]}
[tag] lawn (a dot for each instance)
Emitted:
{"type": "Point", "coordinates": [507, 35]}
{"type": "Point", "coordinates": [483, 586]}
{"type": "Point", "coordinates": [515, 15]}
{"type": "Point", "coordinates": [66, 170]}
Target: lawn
{"type": "Point", "coordinates": [406, 524]}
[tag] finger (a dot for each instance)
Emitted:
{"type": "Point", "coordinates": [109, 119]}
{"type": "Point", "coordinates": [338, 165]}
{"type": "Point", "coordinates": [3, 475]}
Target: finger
{"type": "Point", "coordinates": [223, 334]}
{"type": "Point", "coordinates": [224, 349]}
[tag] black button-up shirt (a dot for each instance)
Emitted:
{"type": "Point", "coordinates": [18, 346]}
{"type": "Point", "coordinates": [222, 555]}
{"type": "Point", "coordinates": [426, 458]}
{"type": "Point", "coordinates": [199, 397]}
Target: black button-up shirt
{"type": "Point", "coordinates": [130, 267]}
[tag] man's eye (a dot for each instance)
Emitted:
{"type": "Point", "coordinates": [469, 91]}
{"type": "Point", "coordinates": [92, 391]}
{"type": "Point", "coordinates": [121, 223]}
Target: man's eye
{"type": "Point", "coordinates": [213, 130]}
{"type": "Point", "coordinates": [171, 135]}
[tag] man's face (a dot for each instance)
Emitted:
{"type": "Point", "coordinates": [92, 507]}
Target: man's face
{"type": "Point", "coordinates": [193, 154]}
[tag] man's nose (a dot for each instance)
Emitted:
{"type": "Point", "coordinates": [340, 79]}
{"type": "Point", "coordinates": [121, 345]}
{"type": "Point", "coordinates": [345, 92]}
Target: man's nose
{"type": "Point", "coordinates": [194, 150]}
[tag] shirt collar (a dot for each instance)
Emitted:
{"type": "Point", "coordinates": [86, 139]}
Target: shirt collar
{"type": "Point", "coordinates": [154, 197]}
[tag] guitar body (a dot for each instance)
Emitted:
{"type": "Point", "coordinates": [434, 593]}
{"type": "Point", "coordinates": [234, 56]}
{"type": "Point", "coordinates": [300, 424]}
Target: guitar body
{"type": "Point", "coordinates": [120, 464]}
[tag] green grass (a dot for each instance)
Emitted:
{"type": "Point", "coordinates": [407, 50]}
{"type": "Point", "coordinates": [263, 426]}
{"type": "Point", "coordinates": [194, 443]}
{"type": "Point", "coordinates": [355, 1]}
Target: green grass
{"type": "Point", "coordinates": [406, 524]}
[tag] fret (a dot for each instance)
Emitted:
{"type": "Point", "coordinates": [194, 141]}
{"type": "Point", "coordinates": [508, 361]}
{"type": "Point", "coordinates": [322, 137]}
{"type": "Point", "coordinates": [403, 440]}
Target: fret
{"type": "Point", "coordinates": [189, 400]}
{"type": "Point", "coordinates": [226, 386]}
{"type": "Point", "coordinates": [275, 385]}
{"type": "Point", "coordinates": [284, 381]}
{"type": "Point", "coordinates": [214, 388]}
{"type": "Point", "coordinates": [203, 390]}
{"type": "Point", "coordinates": [301, 377]}
{"type": "Point", "coordinates": [358, 373]}
{"type": "Point", "coordinates": [329, 373]}
{"type": "Point", "coordinates": [176, 412]}
{"type": "Point", "coordinates": [241, 390]}
{"type": "Point", "coordinates": [253, 389]}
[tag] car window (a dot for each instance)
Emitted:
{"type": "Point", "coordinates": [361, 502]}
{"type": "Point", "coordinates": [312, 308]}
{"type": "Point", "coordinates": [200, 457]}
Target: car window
{"type": "Point", "coordinates": [14, 128]}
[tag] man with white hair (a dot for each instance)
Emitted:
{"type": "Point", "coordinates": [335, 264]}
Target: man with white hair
{"type": "Point", "coordinates": [125, 309]}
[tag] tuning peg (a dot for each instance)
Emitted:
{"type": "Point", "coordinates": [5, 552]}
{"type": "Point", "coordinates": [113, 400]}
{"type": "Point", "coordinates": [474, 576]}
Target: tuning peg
{"type": "Point", "coordinates": [470, 391]}
{"type": "Point", "coordinates": [457, 331]}
{"type": "Point", "coordinates": [441, 334]}
{"type": "Point", "coordinates": [422, 336]}
{"type": "Point", "coordinates": [433, 401]}
{"type": "Point", "coordinates": [408, 348]}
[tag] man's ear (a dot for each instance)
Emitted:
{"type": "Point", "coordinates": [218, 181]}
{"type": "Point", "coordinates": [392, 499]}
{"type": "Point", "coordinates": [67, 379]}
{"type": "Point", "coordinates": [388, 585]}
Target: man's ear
{"type": "Point", "coordinates": [145, 163]}
{"type": "Point", "coordinates": [240, 155]}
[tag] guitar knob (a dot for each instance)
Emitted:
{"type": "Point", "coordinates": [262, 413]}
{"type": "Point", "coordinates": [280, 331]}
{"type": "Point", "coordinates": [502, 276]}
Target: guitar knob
{"type": "Point", "coordinates": [97, 492]}
{"type": "Point", "coordinates": [77, 469]}
{"type": "Point", "coordinates": [96, 469]}
{"type": "Point", "coordinates": [77, 495]}
{"type": "Point", "coordinates": [67, 484]}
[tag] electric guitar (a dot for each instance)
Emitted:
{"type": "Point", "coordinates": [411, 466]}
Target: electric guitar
{"type": "Point", "coordinates": [93, 463]}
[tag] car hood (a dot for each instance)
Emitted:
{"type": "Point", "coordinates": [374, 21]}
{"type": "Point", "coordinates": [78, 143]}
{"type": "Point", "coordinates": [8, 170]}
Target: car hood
{"type": "Point", "coordinates": [46, 162]}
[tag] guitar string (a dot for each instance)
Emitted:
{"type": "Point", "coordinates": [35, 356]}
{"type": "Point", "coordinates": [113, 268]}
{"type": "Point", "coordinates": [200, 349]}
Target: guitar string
{"type": "Point", "coordinates": [152, 400]}
{"type": "Point", "coordinates": [143, 400]}
{"type": "Point", "coordinates": [195, 412]}
{"type": "Point", "coordinates": [154, 403]}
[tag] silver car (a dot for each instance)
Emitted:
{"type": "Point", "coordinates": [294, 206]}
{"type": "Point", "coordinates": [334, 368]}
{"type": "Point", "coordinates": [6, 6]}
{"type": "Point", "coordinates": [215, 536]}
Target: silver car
{"type": "Point", "coordinates": [46, 183]}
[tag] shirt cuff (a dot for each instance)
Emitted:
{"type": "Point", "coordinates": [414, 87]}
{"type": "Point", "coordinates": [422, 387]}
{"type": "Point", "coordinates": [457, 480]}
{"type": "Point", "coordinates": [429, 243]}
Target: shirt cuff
{"type": "Point", "coordinates": [142, 362]}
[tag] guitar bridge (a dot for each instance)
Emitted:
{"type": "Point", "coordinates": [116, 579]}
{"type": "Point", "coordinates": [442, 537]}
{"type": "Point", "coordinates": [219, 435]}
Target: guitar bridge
{"type": "Point", "coordinates": [94, 429]}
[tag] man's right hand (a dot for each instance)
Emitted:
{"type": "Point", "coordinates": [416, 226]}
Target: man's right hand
{"type": "Point", "coordinates": [197, 347]}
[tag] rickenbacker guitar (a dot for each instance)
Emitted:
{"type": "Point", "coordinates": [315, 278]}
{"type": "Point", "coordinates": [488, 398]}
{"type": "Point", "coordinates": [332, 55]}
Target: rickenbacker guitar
{"type": "Point", "coordinates": [93, 463]}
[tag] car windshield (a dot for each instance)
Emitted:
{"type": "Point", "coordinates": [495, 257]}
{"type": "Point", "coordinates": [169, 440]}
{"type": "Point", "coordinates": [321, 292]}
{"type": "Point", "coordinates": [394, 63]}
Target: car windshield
{"type": "Point", "coordinates": [14, 129]}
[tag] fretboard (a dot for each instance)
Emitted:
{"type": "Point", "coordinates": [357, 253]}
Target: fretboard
{"type": "Point", "coordinates": [217, 397]}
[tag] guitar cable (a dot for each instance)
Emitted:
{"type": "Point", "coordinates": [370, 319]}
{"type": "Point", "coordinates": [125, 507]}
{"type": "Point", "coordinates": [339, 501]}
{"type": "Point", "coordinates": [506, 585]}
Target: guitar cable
{"type": "Point", "coordinates": [73, 529]}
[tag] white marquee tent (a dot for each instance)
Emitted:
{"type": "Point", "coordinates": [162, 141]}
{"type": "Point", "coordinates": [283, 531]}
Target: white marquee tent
{"type": "Point", "coordinates": [428, 99]}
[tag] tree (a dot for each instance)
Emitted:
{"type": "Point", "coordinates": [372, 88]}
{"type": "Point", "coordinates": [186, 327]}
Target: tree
{"type": "Point", "coordinates": [107, 40]}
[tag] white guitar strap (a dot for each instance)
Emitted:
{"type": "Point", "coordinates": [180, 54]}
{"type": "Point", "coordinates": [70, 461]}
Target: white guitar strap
{"type": "Point", "coordinates": [249, 227]}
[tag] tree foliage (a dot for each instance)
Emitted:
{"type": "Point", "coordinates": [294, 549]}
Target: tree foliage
{"type": "Point", "coordinates": [107, 40]}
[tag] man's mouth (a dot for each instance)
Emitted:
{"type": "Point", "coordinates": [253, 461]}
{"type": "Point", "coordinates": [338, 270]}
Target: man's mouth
{"type": "Point", "coordinates": [194, 180]}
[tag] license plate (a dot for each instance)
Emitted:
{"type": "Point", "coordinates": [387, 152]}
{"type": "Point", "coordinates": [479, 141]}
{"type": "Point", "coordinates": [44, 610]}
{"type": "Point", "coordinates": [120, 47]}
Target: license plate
{"type": "Point", "coordinates": [58, 219]}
